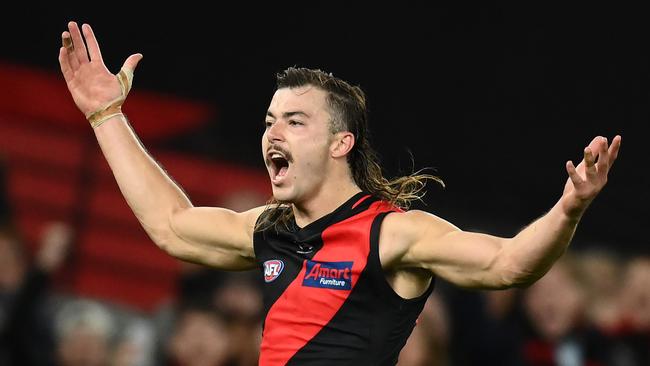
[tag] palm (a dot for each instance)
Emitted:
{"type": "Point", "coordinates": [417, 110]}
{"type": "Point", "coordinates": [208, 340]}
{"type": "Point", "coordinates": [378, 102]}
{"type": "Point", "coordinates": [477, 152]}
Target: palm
{"type": "Point", "coordinates": [92, 86]}
{"type": "Point", "coordinates": [590, 176]}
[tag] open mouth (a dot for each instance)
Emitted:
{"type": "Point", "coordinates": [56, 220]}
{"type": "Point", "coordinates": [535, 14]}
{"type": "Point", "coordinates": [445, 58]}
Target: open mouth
{"type": "Point", "coordinates": [279, 166]}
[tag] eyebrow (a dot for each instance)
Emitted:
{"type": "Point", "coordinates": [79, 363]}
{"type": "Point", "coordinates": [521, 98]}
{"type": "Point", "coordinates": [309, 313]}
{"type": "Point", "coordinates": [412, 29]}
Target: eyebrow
{"type": "Point", "coordinates": [288, 114]}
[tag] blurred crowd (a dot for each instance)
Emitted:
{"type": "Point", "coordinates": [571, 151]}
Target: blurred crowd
{"type": "Point", "coordinates": [592, 308]}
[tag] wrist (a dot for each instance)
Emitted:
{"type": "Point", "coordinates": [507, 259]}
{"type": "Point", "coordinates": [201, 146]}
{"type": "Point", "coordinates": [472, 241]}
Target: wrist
{"type": "Point", "coordinates": [573, 208]}
{"type": "Point", "coordinates": [103, 115]}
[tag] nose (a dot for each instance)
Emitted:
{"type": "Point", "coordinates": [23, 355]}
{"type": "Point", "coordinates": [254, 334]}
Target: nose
{"type": "Point", "coordinates": [275, 133]}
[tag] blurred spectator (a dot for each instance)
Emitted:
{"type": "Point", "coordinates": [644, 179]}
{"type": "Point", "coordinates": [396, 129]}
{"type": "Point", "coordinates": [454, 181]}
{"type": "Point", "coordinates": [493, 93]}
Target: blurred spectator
{"type": "Point", "coordinates": [196, 288]}
{"type": "Point", "coordinates": [632, 340]}
{"type": "Point", "coordinates": [560, 335]}
{"type": "Point", "coordinates": [501, 329]}
{"type": "Point", "coordinates": [197, 283]}
{"type": "Point", "coordinates": [24, 289]}
{"type": "Point", "coordinates": [199, 338]}
{"type": "Point", "coordinates": [635, 295]}
{"type": "Point", "coordinates": [485, 326]}
{"type": "Point", "coordinates": [240, 300]}
{"type": "Point", "coordinates": [427, 345]}
{"type": "Point", "coordinates": [600, 271]}
{"type": "Point", "coordinates": [84, 331]}
{"type": "Point", "coordinates": [13, 267]}
{"type": "Point", "coordinates": [135, 340]}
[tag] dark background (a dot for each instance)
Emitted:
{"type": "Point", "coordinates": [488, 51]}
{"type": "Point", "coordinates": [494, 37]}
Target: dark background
{"type": "Point", "coordinates": [496, 98]}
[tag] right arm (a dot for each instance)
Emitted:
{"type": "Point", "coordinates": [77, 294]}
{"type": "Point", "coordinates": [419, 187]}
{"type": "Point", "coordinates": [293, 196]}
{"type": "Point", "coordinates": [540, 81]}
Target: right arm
{"type": "Point", "coordinates": [216, 237]}
{"type": "Point", "coordinates": [212, 236]}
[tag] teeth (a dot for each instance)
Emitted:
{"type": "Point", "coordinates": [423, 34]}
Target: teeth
{"type": "Point", "coordinates": [275, 155]}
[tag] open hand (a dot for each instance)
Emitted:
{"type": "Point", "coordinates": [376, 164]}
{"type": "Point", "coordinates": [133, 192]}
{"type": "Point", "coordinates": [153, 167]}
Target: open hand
{"type": "Point", "coordinates": [56, 243]}
{"type": "Point", "coordinates": [92, 86]}
{"type": "Point", "coordinates": [590, 176]}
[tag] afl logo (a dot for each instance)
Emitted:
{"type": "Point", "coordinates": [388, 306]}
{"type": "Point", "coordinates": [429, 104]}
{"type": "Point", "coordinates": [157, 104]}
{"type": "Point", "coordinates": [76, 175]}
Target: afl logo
{"type": "Point", "coordinates": [272, 269]}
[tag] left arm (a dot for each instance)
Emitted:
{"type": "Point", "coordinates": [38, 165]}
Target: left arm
{"type": "Point", "coordinates": [422, 240]}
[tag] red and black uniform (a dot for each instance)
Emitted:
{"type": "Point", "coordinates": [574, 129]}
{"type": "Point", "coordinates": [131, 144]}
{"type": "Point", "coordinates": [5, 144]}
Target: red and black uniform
{"type": "Point", "coordinates": [326, 298]}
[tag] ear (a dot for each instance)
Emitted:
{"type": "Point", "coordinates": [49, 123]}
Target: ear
{"type": "Point", "coordinates": [342, 144]}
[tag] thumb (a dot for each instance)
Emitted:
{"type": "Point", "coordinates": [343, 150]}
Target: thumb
{"type": "Point", "coordinates": [125, 76]}
{"type": "Point", "coordinates": [132, 62]}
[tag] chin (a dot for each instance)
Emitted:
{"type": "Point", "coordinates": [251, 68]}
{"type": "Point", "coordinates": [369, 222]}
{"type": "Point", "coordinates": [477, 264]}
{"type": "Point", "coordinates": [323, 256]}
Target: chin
{"type": "Point", "coordinates": [283, 195]}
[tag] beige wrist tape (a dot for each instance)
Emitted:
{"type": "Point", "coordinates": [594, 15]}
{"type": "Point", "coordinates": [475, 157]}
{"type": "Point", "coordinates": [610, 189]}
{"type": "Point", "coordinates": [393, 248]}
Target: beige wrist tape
{"type": "Point", "coordinates": [96, 119]}
{"type": "Point", "coordinates": [114, 107]}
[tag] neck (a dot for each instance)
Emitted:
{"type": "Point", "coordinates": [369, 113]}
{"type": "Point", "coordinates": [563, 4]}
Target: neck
{"type": "Point", "coordinates": [323, 203]}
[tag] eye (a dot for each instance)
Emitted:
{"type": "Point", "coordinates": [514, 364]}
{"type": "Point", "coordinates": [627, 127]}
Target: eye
{"type": "Point", "coordinates": [268, 124]}
{"type": "Point", "coordinates": [294, 123]}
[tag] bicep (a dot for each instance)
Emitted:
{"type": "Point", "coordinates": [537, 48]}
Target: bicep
{"type": "Point", "coordinates": [216, 237]}
{"type": "Point", "coordinates": [466, 259]}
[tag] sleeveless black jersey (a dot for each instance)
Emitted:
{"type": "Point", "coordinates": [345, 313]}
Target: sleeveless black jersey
{"type": "Point", "coordinates": [326, 298]}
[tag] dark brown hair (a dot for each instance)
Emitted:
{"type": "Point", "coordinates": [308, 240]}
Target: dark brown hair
{"type": "Point", "coordinates": [348, 111]}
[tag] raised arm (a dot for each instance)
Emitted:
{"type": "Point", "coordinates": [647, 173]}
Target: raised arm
{"type": "Point", "coordinates": [421, 240]}
{"type": "Point", "coordinates": [212, 236]}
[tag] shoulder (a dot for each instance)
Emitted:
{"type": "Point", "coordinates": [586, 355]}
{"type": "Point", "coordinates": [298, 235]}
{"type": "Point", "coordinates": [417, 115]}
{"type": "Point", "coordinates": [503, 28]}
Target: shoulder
{"type": "Point", "coordinates": [400, 231]}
